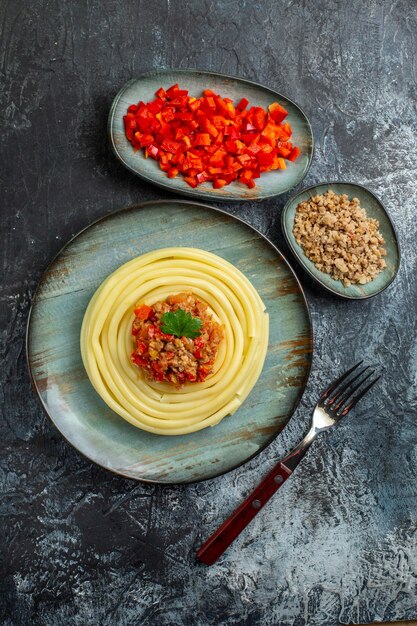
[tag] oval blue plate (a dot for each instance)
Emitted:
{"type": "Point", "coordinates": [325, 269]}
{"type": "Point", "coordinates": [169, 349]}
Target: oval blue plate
{"type": "Point", "coordinates": [268, 185]}
{"type": "Point", "coordinates": [375, 209]}
{"type": "Point", "coordinates": [78, 411]}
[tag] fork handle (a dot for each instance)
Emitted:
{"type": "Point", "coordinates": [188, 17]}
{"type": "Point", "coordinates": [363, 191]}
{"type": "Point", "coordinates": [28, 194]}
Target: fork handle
{"type": "Point", "coordinates": [221, 539]}
{"type": "Point", "coordinates": [240, 518]}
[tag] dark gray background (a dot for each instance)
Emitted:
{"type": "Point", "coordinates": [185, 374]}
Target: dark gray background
{"type": "Point", "coordinates": [338, 543]}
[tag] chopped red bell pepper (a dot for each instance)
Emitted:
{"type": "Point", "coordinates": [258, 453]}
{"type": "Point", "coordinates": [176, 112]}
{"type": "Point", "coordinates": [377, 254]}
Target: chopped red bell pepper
{"type": "Point", "coordinates": [277, 112]}
{"type": "Point", "coordinates": [242, 104]}
{"type": "Point", "coordinates": [202, 139]}
{"type": "Point", "coordinates": [140, 346]}
{"type": "Point", "coordinates": [208, 138]}
{"type": "Point", "coordinates": [202, 177]}
{"type": "Point", "coordinates": [138, 360]}
{"type": "Point", "coordinates": [170, 145]}
{"type": "Point", "coordinates": [144, 312]}
{"type": "Point", "coordinates": [153, 151]}
{"type": "Point", "coordinates": [161, 93]}
{"type": "Point", "coordinates": [294, 154]}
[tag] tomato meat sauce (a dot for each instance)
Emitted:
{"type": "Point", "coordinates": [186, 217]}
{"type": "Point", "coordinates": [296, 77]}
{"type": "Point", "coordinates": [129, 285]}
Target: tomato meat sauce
{"type": "Point", "coordinates": [170, 358]}
{"type": "Point", "coordinates": [209, 139]}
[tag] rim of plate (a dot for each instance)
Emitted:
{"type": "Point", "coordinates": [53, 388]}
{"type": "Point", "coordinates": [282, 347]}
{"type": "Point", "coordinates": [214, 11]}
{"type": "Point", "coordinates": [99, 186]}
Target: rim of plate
{"type": "Point", "coordinates": [140, 206]}
{"type": "Point", "coordinates": [304, 266]}
{"type": "Point", "coordinates": [190, 192]}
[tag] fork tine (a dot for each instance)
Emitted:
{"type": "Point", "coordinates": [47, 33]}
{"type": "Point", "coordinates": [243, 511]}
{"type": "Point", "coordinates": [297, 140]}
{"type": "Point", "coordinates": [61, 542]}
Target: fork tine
{"type": "Point", "coordinates": [348, 392]}
{"type": "Point", "coordinates": [356, 399]}
{"type": "Point", "coordinates": [344, 388]}
{"type": "Point", "coordinates": [337, 382]}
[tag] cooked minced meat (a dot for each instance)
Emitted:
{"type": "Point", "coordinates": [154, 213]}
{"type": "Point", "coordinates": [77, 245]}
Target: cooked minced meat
{"type": "Point", "coordinates": [336, 234]}
{"type": "Point", "coordinates": [169, 358]}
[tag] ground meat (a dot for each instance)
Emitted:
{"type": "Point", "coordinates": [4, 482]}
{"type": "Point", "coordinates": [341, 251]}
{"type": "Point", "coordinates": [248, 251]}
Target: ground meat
{"type": "Point", "coordinates": [169, 358]}
{"type": "Point", "coordinates": [336, 234]}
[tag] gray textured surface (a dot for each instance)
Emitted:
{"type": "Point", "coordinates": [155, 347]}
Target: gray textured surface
{"type": "Point", "coordinates": [338, 544]}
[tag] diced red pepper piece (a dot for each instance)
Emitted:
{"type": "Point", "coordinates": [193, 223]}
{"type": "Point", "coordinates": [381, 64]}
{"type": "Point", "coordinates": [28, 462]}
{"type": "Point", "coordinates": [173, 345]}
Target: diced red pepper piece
{"type": "Point", "coordinates": [222, 106]}
{"type": "Point", "coordinates": [268, 134]}
{"type": "Point", "coordinates": [140, 346]}
{"type": "Point", "coordinates": [170, 145]}
{"type": "Point", "coordinates": [202, 177]}
{"type": "Point", "coordinates": [265, 158]}
{"type": "Point", "coordinates": [294, 154]}
{"type": "Point", "coordinates": [209, 127]}
{"type": "Point", "coordinates": [230, 145]}
{"type": "Point", "coordinates": [232, 132]}
{"type": "Point", "coordinates": [245, 176]}
{"type": "Point", "coordinates": [130, 126]}
{"type": "Point", "coordinates": [139, 360]}
{"type": "Point", "coordinates": [179, 101]}
{"type": "Point", "coordinates": [231, 110]}
{"type": "Point", "coordinates": [191, 180]}
{"type": "Point", "coordinates": [187, 116]}
{"type": "Point", "coordinates": [161, 94]}
{"type": "Point", "coordinates": [187, 141]}
{"type": "Point", "coordinates": [258, 118]}
{"type": "Point", "coordinates": [277, 112]}
{"type": "Point", "coordinates": [211, 103]}
{"type": "Point", "coordinates": [242, 104]}
{"type": "Point", "coordinates": [202, 139]}
{"type": "Point", "coordinates": [194, 104]}
{"type": "Point", "coordinates": [284, 151]}
{"type": "Point", "coordinates": [213, 171]}
{"type": "Point", "coordinates": [153, 151]}
{"type": "Point", "coordinates": [144, 312]}
{"type": "Point", "coordinates": [203, 372]}
{"type": "Point", "coordinates": [244, 159]}
{"type": "Point", "coordinates": [253, 149]}
{"type": "Point", "coordinates": [155, 106]}
{"type": "Point", "coordinates": [171, 91]}
{"type": "Point", "coordinates": [146, 140]}
{"type": "Point", "coordinates": [168, 114]}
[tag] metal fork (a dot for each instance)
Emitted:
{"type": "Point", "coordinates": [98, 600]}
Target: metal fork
{"type": "Point", "coordinates": [336, 402]}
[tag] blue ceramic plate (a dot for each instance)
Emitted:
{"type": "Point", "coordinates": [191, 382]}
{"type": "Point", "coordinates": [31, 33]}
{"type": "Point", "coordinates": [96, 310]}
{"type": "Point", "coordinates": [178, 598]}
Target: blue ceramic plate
{"type": "Point", "coordinates": [78, 411]}
{"type": "Point", "coordinates": [374, 208]}
{"type": "Point", "coordinates": [269, 184]}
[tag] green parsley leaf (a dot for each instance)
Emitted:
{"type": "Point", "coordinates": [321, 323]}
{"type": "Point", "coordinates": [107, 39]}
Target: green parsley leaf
{"type": "Point", "coordinates": [181, 324]}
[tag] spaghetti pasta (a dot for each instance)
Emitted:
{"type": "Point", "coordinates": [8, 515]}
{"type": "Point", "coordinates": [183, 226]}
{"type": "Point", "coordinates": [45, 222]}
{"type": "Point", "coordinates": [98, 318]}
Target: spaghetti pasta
{"type": "Point", "coordinates": [106, 340]}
